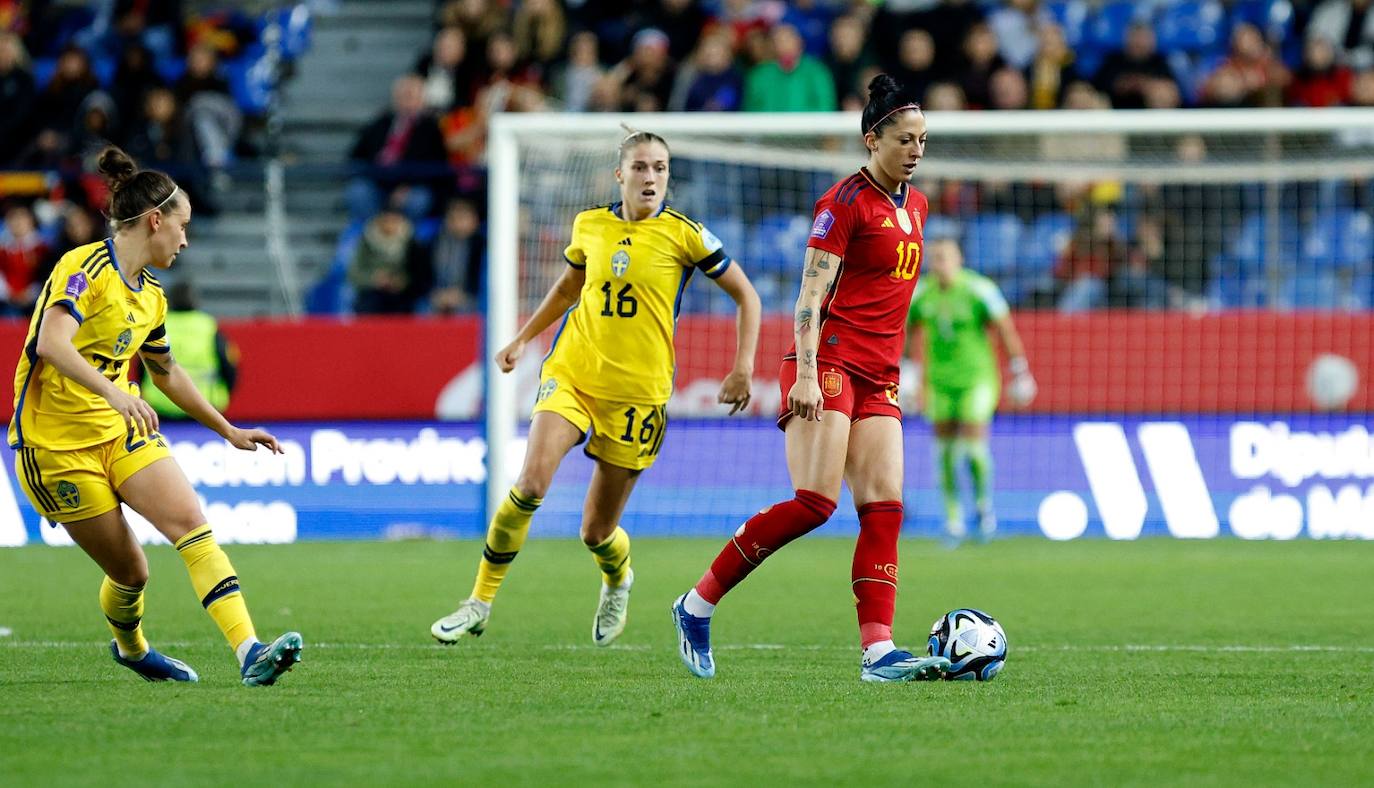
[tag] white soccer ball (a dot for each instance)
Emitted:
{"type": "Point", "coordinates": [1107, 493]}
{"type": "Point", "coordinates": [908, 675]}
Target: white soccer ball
{"type": "Point", "coordinates": [972, 641]}
{"type": "Point", "coordinates": [1332, 380]}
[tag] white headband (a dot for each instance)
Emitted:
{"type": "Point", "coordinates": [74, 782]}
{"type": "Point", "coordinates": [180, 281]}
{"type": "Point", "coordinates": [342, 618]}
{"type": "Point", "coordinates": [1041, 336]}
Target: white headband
{"type": "Point", "coordinates": [175, 189]}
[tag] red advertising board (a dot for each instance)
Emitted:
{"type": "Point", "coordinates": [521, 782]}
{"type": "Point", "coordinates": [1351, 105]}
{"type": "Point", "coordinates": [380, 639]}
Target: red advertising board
{"type": "Point", "coordinates": [1103, 362]}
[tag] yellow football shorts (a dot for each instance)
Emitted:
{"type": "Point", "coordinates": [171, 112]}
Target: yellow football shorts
{"type": "Point", "coordinates": [624, 434]}
{"type": "Point", "coordinates": [76, 484]}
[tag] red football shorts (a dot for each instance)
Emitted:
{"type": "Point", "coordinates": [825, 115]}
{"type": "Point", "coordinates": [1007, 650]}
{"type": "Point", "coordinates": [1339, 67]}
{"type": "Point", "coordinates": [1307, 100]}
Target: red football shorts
{"type": "Point", "coordinates": [855, 396]}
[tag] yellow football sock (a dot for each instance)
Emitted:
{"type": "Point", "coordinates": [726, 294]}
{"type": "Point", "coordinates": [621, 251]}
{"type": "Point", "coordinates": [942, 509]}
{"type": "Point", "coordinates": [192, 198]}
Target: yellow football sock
{"type": "Point", "coordinates": [613, 556]}
{"type": "Point", "coordinates": [505, 536]}
{"type": "Point", "coordinates": [123, 606]}
{"type": "Point", "coordinates": [213, 578]}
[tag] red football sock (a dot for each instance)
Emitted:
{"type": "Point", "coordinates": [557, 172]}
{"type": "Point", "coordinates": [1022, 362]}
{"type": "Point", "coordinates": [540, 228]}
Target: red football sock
{"type": "Point", "coordinates": [875, 569]}
{"type": "Point", "coordinates": [765, 533]}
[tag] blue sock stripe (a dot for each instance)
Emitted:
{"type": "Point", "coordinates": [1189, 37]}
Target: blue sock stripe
{"type": "Point", "coordinates": [225, 587]}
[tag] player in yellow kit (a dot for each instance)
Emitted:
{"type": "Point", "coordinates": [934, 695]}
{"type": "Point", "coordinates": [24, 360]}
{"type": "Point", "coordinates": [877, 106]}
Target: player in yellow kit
{"type": "Point", "coordinates": [84, 441]}
{"type": "Point", "coordinates": [609, 374]}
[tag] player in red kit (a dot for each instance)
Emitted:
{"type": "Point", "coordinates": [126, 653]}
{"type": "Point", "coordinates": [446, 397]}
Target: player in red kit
{"type": "Point", "coordinates": [839, 412]}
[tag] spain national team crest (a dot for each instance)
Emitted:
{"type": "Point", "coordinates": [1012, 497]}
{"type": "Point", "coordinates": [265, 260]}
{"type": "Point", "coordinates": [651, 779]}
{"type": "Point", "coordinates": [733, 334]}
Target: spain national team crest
{"type": "Point", "coordinates": [122, 343]}
{"type": "Point", "coordinates": [620, 263]}
{"type": "Point", "coordinates": [891, 392]}
{"type": "Point", "coordinates": [546, 389]}
{"type": "Point", "coordinates": [68, 495]}
{"type": "Point", "coordinates": [832, 383]}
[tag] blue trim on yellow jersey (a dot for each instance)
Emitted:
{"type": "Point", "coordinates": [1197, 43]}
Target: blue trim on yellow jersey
{"type": "Point", "coordinates": [30, 350]}
{"type": "Point", "coordinates": [719, 270]}
{"type": "Point", "coordinates": [677, 302]}
{"type": "Point", "coordinates": [71, 307]}
{"type": "Point", "coordinates": [558, 333]}
{"type": "Point", "coordinates": [615, 209]}
{"type": "Point", "coordinates": [109, 244]}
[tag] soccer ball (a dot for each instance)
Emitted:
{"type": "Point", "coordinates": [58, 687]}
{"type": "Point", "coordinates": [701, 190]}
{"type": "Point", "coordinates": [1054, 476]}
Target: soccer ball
{"type": "Point", "coordinates": [972, 641]}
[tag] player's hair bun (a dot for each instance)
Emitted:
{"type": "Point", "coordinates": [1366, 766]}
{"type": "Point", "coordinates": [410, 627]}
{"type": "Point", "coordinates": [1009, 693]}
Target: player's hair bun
{"type": "Point", "coordinates": [882, 88]}
{"type": "Point", "coordinates": [117, 167]}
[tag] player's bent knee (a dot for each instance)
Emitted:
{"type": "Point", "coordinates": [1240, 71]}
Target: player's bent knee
{"type": "Point", "coordinates": [593, 535]}
{"type": "Point", "coordinates": [134, 576]}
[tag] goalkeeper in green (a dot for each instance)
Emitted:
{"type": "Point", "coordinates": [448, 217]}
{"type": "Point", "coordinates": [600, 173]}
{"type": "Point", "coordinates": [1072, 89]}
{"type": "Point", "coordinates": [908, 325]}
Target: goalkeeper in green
{"type": "Point", "coordinates": [961, 384]}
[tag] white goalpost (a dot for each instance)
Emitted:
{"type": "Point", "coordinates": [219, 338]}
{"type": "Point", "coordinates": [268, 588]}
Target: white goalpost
{"type": "Point", "coordinates": [1224, 205]}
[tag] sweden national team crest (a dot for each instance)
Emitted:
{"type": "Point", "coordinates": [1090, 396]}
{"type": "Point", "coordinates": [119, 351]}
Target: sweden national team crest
{"type": "Point", "coordinates": [122, 343]}
{"type": "Point", "coordinates": [546, 389]}
{"type": "Point", "coordinates": [832, 383]}
{"type": "Point", "coordinates": [68, 495]}
{"type": "Point", "coordinates": [620, 263]}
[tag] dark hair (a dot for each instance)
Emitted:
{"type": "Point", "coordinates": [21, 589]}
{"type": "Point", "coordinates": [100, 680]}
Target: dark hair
{"type": "Point", "coordinates": [638, 138]}
{"type": "Point", "coordinates": [885, 98]}
{"type": "Point", "coordinates": [133, 192]}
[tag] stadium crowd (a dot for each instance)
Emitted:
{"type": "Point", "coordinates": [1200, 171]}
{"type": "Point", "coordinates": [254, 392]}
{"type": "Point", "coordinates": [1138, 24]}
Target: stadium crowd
{"type": "Point", "coordinates": [816, 55]}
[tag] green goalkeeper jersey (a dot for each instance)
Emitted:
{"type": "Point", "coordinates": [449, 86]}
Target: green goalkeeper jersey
{"type": "Point", "coordinates": [958, 353]}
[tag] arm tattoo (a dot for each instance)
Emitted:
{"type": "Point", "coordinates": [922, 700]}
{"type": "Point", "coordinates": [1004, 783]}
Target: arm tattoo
{"type": "Point", "coordinates": [823, 261]}
{"type": "Point", "coordinates": [804, 317]}
{"type": "Point", "coordinates": [809, 359]}
{"type": "Point", "coordinates": [158, 369]}
{"type": "Point", "coordinates": [811, 271]}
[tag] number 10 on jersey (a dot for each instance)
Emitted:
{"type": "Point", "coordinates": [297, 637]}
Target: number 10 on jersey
{"type": "Point", "coordinates": [908, 260]}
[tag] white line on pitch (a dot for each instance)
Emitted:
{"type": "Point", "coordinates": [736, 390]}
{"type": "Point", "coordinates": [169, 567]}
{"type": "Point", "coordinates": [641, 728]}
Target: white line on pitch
{"type": "Point", "coordinates": [1107, 648]}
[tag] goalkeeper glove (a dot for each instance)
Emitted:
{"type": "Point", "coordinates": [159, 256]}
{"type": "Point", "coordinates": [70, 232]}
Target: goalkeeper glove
{"type": "Point", "coordinates": [1022, 389]}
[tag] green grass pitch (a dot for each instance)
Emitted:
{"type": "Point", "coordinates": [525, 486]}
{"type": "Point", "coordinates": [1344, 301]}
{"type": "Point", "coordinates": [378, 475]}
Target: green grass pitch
{"type": "Point", "coordinates": [1156, 662]}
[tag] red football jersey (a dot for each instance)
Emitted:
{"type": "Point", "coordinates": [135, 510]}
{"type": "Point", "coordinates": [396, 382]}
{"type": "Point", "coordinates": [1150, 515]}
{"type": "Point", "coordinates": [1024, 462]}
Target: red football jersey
{"type": "Point", "coordinates": [878, 237]}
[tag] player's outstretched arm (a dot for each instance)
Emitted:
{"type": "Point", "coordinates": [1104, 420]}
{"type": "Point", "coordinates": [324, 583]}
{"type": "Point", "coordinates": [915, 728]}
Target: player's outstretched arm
{"type": "Point", "coordinates": [55, 347]}
{"type": "Point", "coordinates": [560, 297]}
{"type": "Point", "coordinates": [735, 390]}
{"type": "Point", "coordinates": [173, 381]}
{"type": "Point", "coordinates": [818, 276]}
{"type": "Point", "coordinates": [1023, 388]}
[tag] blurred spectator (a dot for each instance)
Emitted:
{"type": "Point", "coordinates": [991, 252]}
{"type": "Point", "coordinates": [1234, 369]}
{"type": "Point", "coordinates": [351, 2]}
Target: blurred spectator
{"type": "Point", "coordinates": [22, 251]}
{"type": "Point", "coordinates": [947, 22]}
{"type": "Point", "coordinates": [683, 21]}
{"type": "Point", "coordinates": [1094, 251]}
{"type": "Point", "coordinates": [16, 96]}
{"type": "Point", "coordinates": [811, 19]}
{"type": "Point", "coordinates": [457, 261]}
{"type": "Point", "coordinates": [60, 102]}
{"type": "Point", "coordinates": [744, 19]}
{"type": "Point", "coordinates": [382, 265]}
{"type": "Point", "coordinates": [575, 81]}
{"type": "Point", "coordinates": [1250, 76]}
{"type": "Point", "coordinates": [446, 71]}
{"type": "Point", "coordinates": [161, 140]}
{"type": "Point", "coordinates": [211, 113]}
{"type": "Point", "coordinates": [944, 97]}
{"type": "Point", "coordinates": [1007, 89]}
{"type": "Point", "coordinates": [79, 227]}
{"type": "Point", "coordinates": [792, 82]}
{"type": "Point", "coordinates": [1320, 81]}
{"type": "Point", "coordinates": [980, 61]}
{"type": "Point", "coordinates": [646, 78]}
{"type": "Point", "coordinates": [479, 19]}
{"type": "Point", "coordinates": [848, 58]}
{"type": "Point", "coordinates": [134, 77]}
{"type": "Point", "coordinates": [397, 150]}
{"type": "Point", "coordinates": [539, 31]}
{"type": "Point", "coordinates": [502, 68]}
{"type": "Point", "coordinates": [711, 83]}
{"type": "Point", "coordinates": [1051, 70]}
{"type": "Point", "coordinates": [1126, 75]}
{"type": "Point", "coordinates": [1350, 25]}
{"type": "Point", "coordinates": [1014, 24]}
{"type": "Point", "coordinates": [97, 125]}
{"type": "Point", "coordinates": [915, 62]}
{"type": "Point", "coordinates": [207, 356]}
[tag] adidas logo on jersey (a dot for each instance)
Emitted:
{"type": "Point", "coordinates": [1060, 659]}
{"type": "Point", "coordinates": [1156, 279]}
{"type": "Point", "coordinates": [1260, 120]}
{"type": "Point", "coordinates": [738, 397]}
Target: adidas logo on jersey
{"type": "Point", "coordinates": [886, 222]}
{"type": "Point", "coordinates": [625, 242]}
{"type": "Point", "coordinates": [131, 318]}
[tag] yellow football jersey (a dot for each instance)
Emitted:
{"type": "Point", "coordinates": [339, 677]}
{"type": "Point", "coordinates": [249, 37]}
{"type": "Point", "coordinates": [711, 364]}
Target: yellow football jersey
{"type": "Point", "coordinates": [617, 341]}
{"type": "Point", "coordinates": [116, 320]}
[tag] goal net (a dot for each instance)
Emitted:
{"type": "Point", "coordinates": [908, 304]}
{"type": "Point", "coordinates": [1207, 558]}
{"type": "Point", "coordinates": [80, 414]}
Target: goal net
{"type": "Point", "coordinates": [1193, 289]}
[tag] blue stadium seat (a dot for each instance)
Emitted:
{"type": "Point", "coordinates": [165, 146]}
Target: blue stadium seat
{"type": "Point", "coordinates": [427, 229]}
{"type": "Point", "coordinates": [332, 295]}
{"type": "Point", "coordinates": [42, 69]}
{"type": "Point", "coordinates": [779, 242]}
{"type": "Point", "coordinates": [170, 69]}
{"type": "Point", "coordinates": [1072, 16]}
{"type": "Point", "coordinates": [733, 237]}
{"type": "Point", "coordinates": [939, 226]}
{"type": "Point", "coordinates": [1106, 30]}
{"type": "Point", "coordinates": [1248, 249]}
{"type": "Point", "coordinates": [1045, 240]}
{"type": "Point", "coordinates": [250, 80]}
{"type": "Point", "coordinates": [1339, 239]}
{"type": "Point", "coordinates": [1190, 26]}
{"type": "Point", "coordinates": [992, 243]}
{"type": "Point", "coordinates": [296, 27]}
